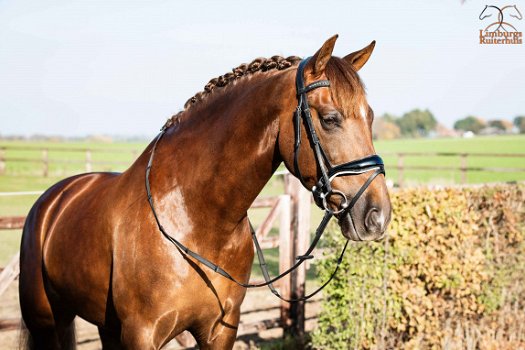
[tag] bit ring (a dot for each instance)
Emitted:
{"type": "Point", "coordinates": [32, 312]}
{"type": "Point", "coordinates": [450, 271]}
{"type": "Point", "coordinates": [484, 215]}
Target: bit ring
{"type": "Point", "coordinates": [342, 207]}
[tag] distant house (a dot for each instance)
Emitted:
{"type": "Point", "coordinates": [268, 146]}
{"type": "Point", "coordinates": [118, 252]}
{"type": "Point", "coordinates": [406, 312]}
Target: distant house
{"type": "Point", "coordinates": [491, 130]}
{"type": "Point", "coordinates": [443, 131]}
{"type": "Point", "coordinates": [468, 135]}
{"type": "Point", "coordinates": [498, 127]}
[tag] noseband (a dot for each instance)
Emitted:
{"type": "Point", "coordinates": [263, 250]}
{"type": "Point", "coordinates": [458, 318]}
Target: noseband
{"type": "Point", "coordinates": [322, 191]}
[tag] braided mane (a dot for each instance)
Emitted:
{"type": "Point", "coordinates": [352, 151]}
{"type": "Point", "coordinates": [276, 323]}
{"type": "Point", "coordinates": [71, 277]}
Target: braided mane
{"type": "Point", "coordinates": [245, 69]}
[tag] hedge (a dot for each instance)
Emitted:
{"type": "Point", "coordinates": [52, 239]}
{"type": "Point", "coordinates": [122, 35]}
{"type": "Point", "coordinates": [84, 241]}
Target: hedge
{"type": "Point", "coordinates": [449, 275]}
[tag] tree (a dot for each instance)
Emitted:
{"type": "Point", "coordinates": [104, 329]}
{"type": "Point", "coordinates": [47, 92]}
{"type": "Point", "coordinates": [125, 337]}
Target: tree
{"type": "Point", "coordinates": [499, 124]}
{"type": "Point", "coordinates": [389, 117]}
{"type": "Point", "coordinates": [519, 122]}
{"type": "Point", "coordinates": [385, 128]}
{"type": "Point", "coordinates": [417, 123]}
{"type": "Point", "coordinates": [469, 123]}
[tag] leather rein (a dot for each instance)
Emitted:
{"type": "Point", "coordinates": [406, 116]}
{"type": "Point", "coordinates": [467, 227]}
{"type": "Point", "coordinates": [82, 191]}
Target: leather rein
{"type": "Point", "coordinates": [321, 192]}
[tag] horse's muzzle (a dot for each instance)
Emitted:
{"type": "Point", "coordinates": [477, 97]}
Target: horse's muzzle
{"type": "Point", "coordinates": [371, 227]}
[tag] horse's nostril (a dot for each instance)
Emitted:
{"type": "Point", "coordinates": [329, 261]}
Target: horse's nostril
{"type": "Point", "coordinates": [374, 221]}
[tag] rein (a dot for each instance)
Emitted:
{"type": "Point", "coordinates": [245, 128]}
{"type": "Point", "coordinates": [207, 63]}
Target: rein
{"type": "Point", "coordinates": [321, 192]}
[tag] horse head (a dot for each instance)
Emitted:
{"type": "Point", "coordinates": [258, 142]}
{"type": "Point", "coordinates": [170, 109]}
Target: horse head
{"type": "Point", "coordinates": [487, 8]}
{"type": "Point", "coordinates": [515, 12]}
{"type": "Point", "coordinates": [341, 120]}
{"type": "Point", "coordinates": [481, 16]}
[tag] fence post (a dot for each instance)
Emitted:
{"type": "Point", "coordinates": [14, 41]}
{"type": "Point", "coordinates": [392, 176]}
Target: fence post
{"type": "Point", "coordinates": [400, 167]}
{"type": "Point", "coordinates": [89, 167]}
{"type": "Point", "coordinates": [2, 160]}
{"type": "Point", "coordinates": [285, 257]}
{"type": "Point", "coordinates": [300, 226]}
{"type": "Point", "coordinates": [9, 273]}
{"type": "Point", "coordinates": [463, 168]}
{"type": "Point", "coordinates": [45, 162]}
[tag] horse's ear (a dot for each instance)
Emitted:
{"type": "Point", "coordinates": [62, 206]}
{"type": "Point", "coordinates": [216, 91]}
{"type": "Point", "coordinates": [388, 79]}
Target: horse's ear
{"type": "Point", "coordinates": [358, 59]}
{"type": "Point", "coordinates": [321, 57]}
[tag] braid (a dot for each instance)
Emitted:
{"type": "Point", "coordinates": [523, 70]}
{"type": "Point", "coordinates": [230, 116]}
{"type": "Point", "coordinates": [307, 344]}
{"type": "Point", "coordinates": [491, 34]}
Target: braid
{"type": "Point", "coordinates": [245, 69]}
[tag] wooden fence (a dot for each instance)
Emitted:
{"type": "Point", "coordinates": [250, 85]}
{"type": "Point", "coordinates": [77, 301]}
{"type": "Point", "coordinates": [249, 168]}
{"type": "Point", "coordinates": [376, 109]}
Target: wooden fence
{"type": "Point", "coordinates": [87, 162]}
{"type": "Point", "coordinates": [293, 211]}
{"type": "Point", "coordinates": [44, 160]}
{"type": "Point", "coordinates": [463, 167]}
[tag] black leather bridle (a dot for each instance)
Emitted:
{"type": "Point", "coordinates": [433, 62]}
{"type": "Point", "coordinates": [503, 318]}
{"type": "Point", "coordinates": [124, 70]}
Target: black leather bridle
{"type": "Point", "coordinates": [321, 192]}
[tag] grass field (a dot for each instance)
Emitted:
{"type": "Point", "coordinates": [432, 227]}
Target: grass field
{"type": "Point", "coordinates": [23, 176]}
{"type": "Point", "coordinates": [488, 144]}
{"type": "Point", "coordinates": [126, 152]}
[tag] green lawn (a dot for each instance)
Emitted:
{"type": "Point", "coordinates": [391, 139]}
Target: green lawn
{"type": "Point", "coordinates": [72, 152]}
{"type": "Point", "coordinates": [29, 172]}
{"type": "Point", "coordinates": [20, 176]}
{"type": "Point", "coordinates": [487, 144]}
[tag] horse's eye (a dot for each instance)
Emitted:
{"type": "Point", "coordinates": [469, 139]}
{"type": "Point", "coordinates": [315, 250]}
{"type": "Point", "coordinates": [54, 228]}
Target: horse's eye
{"type": "Point", "coordinates": [330, 121]}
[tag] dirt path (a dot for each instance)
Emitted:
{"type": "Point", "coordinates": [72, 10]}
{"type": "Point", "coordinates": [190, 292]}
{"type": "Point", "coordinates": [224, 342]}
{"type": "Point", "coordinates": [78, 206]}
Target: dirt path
{"type": "Point", "coordinates": [259, 305]}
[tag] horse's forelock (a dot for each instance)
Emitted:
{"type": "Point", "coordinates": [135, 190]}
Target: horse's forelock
{"type": "Point", "coordinates": [347, 89]}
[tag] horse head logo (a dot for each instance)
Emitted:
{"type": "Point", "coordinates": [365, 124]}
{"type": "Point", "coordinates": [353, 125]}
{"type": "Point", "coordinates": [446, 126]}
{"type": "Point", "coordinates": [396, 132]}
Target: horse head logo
{"type": "Point", "coordinates": [514, 12]}
{"type": "Point", "coordinates": [500, 24]}
{"type": "Point", "coordinates": [488, 12]}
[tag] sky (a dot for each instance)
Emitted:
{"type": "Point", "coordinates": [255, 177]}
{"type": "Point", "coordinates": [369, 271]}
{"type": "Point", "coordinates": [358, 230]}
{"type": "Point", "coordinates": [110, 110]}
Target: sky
{"type": "Point", "coordinates": [75, 68]}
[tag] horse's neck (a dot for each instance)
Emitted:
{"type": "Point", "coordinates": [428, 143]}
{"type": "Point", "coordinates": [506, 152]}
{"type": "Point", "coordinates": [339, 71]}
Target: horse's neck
{"type": "Point", "coordinates": [214, 163]}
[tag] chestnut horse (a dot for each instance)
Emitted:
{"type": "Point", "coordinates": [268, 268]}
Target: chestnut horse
{"type": "Point", "coordinates": [91, 246]}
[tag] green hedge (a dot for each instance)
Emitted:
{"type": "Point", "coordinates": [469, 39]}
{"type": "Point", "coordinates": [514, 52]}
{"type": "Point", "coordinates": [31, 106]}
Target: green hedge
{"type": "Point", "coordinates": [450, 275]}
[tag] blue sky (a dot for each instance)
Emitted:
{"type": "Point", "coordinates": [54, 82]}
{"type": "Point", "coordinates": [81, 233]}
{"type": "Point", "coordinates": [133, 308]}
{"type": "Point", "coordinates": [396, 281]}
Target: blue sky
{"type": "Point", "coordinates": [122, 67]}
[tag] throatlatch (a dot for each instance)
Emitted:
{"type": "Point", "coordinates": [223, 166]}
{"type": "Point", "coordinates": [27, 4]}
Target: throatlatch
{"type": "Point", "coordinates": [321, 191]}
